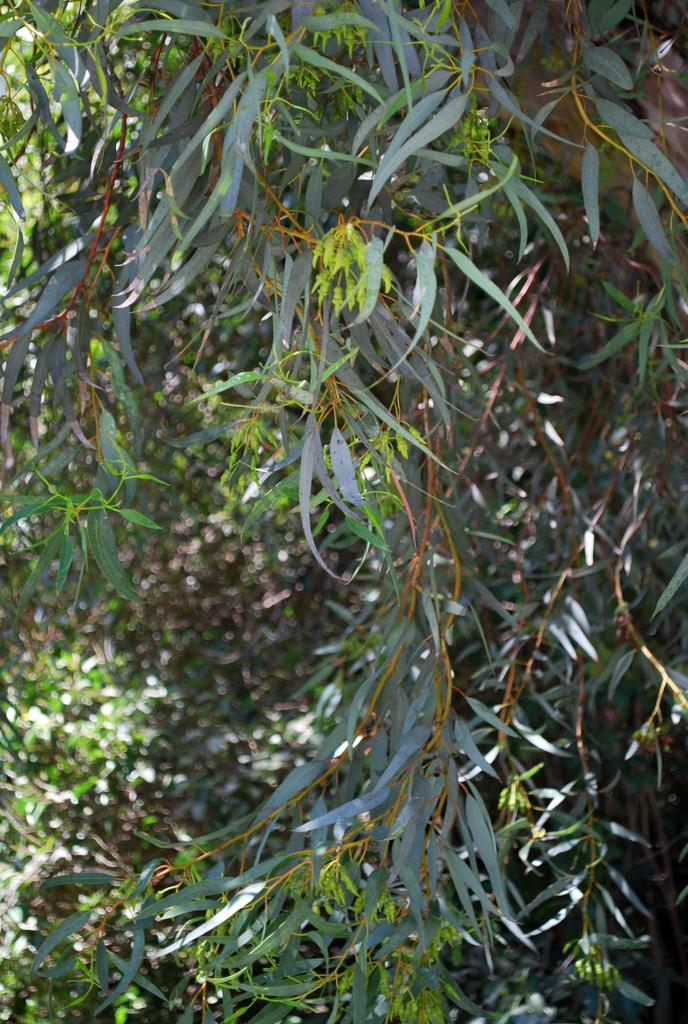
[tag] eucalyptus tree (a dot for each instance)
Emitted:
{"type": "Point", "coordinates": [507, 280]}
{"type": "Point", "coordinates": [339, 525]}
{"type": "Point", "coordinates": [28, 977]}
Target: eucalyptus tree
{"type": "Point", "coordinates": [461, 229]}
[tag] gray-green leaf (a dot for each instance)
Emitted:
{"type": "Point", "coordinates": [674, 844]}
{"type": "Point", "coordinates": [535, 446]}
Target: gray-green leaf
{"type": "Point", "coordinates": [590, 180]}
{"type": "Point", "coordinates": [648, 216]}
{"type": "Point", "coordinates": [676, 581]}
{"type": "Point", "coordinates": [605, 62]}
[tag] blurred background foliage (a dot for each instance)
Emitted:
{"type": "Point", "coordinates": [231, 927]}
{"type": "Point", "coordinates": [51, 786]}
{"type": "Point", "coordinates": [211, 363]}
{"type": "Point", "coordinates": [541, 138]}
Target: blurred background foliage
{"type": "Point", "coordinates": [133, 728]}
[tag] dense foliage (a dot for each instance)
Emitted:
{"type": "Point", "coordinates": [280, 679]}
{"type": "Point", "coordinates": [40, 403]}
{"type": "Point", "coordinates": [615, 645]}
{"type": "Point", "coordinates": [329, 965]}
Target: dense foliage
{"type": "Point", "coordinates": [343, 417]}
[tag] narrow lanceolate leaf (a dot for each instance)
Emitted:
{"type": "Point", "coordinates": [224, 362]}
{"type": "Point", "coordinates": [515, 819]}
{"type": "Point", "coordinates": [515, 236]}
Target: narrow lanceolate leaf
{"type": "Point", "coordinates": [383, 414]}
{"type": "Point", "coordinates": [9, 184]}
{"type": "Point", "coordinates": [489, 716]}
{"type": "Point", "coordinates": [239, 902]}
{"type": "Point", "coordinates": [244, 377]}
{"type": "Point", "coordinates": [468, 745]}
{"type": "Point", "coordinates": [676, 581]}
{"type": "Point", "coordinates": [121, 321]}
{"type": "Point", "coordinates": [72, 924]}
{"type": "Point", "coordinates": [102, 966]}
{"type": "Point", "coordinates": [362, 805]}
{"type": "Point", "coordinates": [615, 344]}
{"type": "Point", "coordinates": [622, 120]}
{"type": "Point", "coordinates": [634, 994]}
{"type": "Point", "coordinates": [80, 878]}
{"type": "Point", "coordinates": [486, 847]}
{"type": "Point", "coordinates": [465, 882]}
{"type": "Point", "coordinates": [654, 160]}
{"type": "Point", "coordinates": [644, 206]}
{"type": "Point", "coordinates": [467, 267]}
{"type": "Point", "coordinates": [63, 280]}
{"type": "Point", "coordinates": [66, 92]}
{"type": "Point", "coordinates": [373, 272]}
{"type": "Point", "coordinates": [344, 469]}
{"type": "Point", "coordinates": [101, 542]}
{"type": "Point", "coordinates": [134, 516]}
{"type": "Point", "coordinates": [317, 60]}
{"type": "Point", "coordinates": [445, 119]}
{"type": "Point", "coordinates": [501, 8]}
{"type": "Point", "coordinates": [380, 36]}
{"type": "Point", "coordinates": [128, 973]}
{"type": "Point", "coordinates": [306, 471]}
{"type": "Point", "coordinates": [590, 179]}
{"type": "Point", "coordinates": [471, 202]}
{"type": "Point", "coordinates": [529, 197]}
{"type": "Point", "coordinates": [607, 63]}
{"type": "Point", "coordinates": [171, 26]}
{"type": "Point", "coordinates": [425, 291]}
{"type": "Point", "coordinates": [294, 293]}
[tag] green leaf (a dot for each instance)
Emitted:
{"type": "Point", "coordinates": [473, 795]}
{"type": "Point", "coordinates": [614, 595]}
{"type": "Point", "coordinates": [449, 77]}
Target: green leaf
{"type": "Point", "coordinates": [242, 899]}
{"type": "Point", "coordinates": [245, 377]}
{"type": "Point", "coordinates": [101, 541]}
{"type": "Point", "coordinates": [590, 180]}
{"type": "Point", "coordinates": [653, 158]}
{"type": "Point", "coordinates": [317, 60]}
{"type": "Point", "coordinates": [320, 154]}
{"type": "Point", "coordinates": [425, 291]}
{"type": "Point", "coordinates": [473, 201]}
{"type": "Point", "coordinates": [367, 535]}
{"type": "Point", "coordinates": [615, 344]}
{"type": "Point", "coordinates": [486, 847]}
{"type": "Point", "coordinates": [344, 469]}
{"type": "Point", "coordinates": [102, 966]}
{"type": "Point", "coordinates": [81, 878]}
{"type": "Point", "coordinates": [607, 63]}
{"type": "Point", "coordinates": [633, 993]}
{"type": "Point", "coordinates": [445, 119]}
{"type": "Point", "coordinates": [72, 924]}
{"type": "Point", "coordinates": [466, 743]}
{"type": "Point", "coordinates": [604, 14]}
{"type": "Point", "coordinates": [66, 92]}
{"type": "Point", "coordinates": [529, 197]}
{"type": "Point", "coordinates": [669, 592]}
{"type": "Point", "coordinates": [373, 277]}
{"type": "Point", "coordinates": [626, 833]}
{"type": "Point", "coordinates": [139, 979]}
{"type": "Point", "coordinates": [621, 119]}
{"type": "Point", "coordinates": [134, 516]}
{"type": "Point", "coordinates": [10, 186]}
{"type": "Point", "coordinates": [648, 216]}
{"type": "Point", "coordinates": [348, 357]}
{"type": "Point", "coordinates": [306, 470]}
{"type": "Point", "coordinates": [467, 267]}
{"type": "Point", "coordinates": [33, 507]}
{"type": "Point", "coordinates": [489, 716]}
{"type": "Point", "coordinates": [278, 35]}
{"type": "Point", "coordinates": [297, 780]}
{"type": "Point", "coordinates": [359, 996]}
{"type": "Point", "coordinates": [464, 880]}
{"type": "Point", "coordinates": [10, 27]}
{"type": "Point", "coordinates": [171, 26]}
{"type": "Point", "coordinates": [347, 812]}
{"type": "Point", "coordinates": [205, 436]}
{"type": "Point", "coordinates": [128, 973]}
{"type": "Point", "coordinates": [501, 8]}
{"type": "Point", "coordinates": [643, 349]}
{"type": "Point", "coordinates": [619, 297]}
